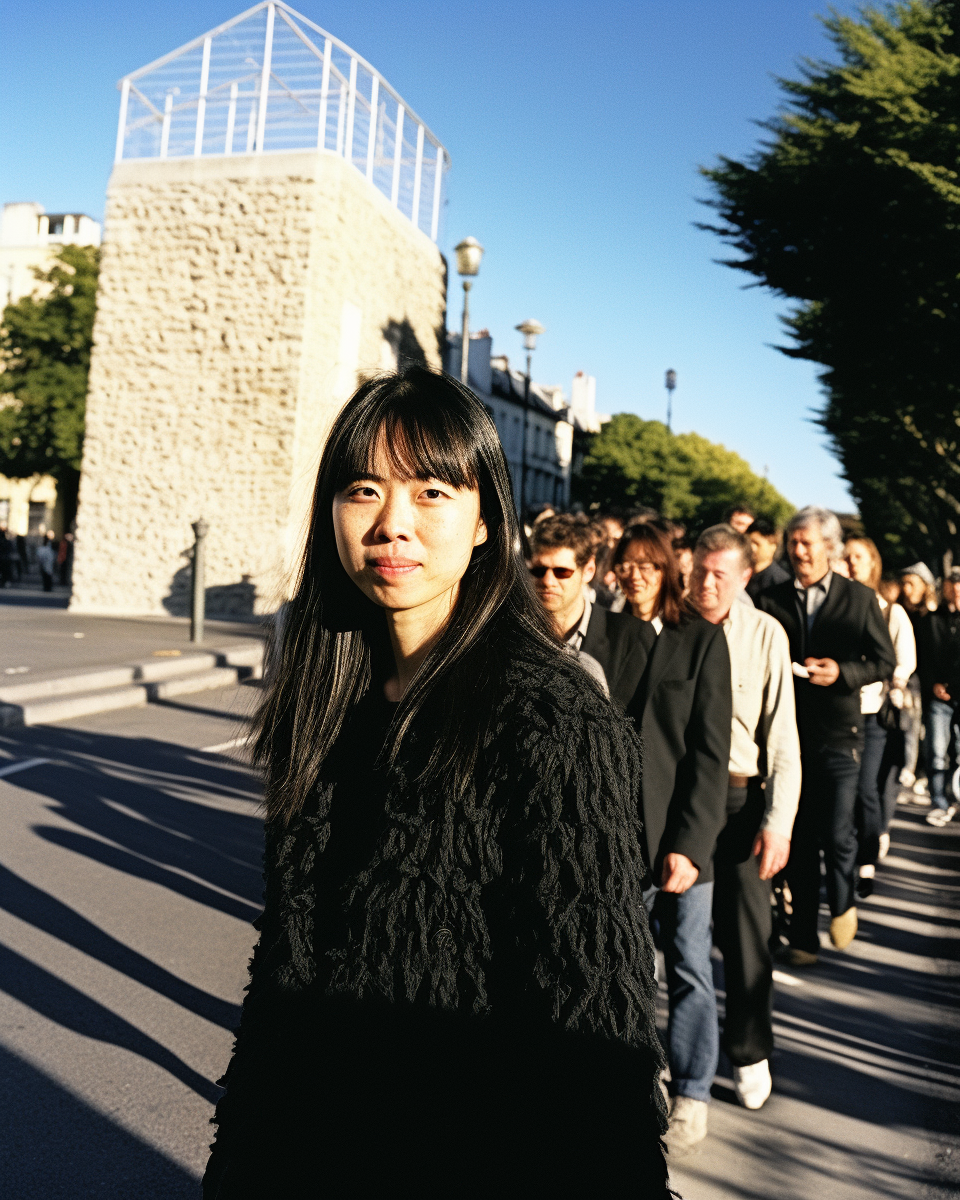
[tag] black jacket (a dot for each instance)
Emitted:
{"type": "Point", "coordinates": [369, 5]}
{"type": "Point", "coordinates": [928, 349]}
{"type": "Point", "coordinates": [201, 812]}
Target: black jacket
{"type": "Point", "coordinates": [850, 629]}
{"type": "Point", "coordinates": [938, 648]}
{"type": "Point", "coordinates": [621, 644]}
{"type": "Point", "coordinates": [764, 580]}
{"type": "Point", "coordinates": [455, 995]}
{"type": "Point", "coordinates": [684, 709]}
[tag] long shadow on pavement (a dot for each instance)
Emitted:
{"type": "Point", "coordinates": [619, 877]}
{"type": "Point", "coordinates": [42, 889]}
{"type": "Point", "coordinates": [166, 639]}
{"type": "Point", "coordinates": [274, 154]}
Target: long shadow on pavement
{"type": "Point", "coordinates": [55, 1147]}
{"type": "Point", "coordinates": [67, 1006]}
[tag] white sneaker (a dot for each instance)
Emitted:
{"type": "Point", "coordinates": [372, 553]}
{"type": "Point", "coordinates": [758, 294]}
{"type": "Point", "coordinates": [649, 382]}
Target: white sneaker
{"type": "Point", "coordinates": [753, 1084]}
{"type": "Point", "coordinates": [688, 1125]}
{"type": "Point", "coordinates": [907, 778]}
{"type": "Point", "coordinates": [941, 816]}
{"type": "Point", "coordinates": [884, 845]}
{"type": "Point", "coordinates": [921, 788]}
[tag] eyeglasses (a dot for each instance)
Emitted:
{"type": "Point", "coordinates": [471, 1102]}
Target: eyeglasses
{"type": "Point", "coordinates": [558, 572]}
{"type": "Point", "coordinates": [647, 569]}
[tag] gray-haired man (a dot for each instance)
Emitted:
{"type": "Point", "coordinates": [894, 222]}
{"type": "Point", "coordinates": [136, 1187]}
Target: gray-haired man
{"type": "Point", "coordinates": [838, 643]}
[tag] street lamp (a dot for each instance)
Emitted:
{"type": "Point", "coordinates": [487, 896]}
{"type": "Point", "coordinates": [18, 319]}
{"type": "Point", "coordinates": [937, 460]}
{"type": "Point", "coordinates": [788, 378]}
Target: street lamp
{"type": "Point", "coordinates": [469, 253]}
{"type": "Point", "coordinates": [671, 383]}
{"type": "Point", "coordinates": [531, 330]}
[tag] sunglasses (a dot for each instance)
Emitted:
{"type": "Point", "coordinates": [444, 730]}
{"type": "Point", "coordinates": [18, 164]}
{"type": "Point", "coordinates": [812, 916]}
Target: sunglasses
{"type": "Point", "coordinates": [558, 572]}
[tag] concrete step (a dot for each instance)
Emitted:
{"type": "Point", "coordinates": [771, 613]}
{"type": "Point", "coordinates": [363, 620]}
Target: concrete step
{"type": "Point", "coordinates": [204, 681]}
{"type": "Point", "coordinates": [64, 708]}
{"type": "Point", "coordinates": [46, 701]}
{"type": "Point", "coordinates": [64, 685]}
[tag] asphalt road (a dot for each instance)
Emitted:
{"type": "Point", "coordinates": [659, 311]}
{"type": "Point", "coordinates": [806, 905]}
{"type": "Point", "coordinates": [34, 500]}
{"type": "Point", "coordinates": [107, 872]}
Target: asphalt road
{"type": "Point", "coordinates": [129, 875]}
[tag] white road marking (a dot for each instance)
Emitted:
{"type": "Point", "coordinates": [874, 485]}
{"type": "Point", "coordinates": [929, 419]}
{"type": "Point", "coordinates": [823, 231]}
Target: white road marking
{"type": "Point", "coordinates": [221, 746]}
{"type": "Point", "coordinates": [789, 980]}
{"type": "Point", "coordinates": [13, 768]}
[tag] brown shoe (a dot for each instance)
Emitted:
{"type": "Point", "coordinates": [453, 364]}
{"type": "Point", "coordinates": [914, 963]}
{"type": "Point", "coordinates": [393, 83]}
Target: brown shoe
{"type": "Point", "coordinates": [800, 958]}
{"type": "Point", "coordinates": [843, 929]}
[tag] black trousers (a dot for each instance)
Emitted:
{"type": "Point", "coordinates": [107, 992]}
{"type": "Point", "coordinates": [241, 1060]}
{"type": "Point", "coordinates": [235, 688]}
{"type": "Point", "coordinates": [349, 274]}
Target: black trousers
{"type": "Point", "coordinates": [870, 785]}
{"type": "Point", "coordinates": [825, 821]}
{"type": "Point", "coordinates": [742, 925]}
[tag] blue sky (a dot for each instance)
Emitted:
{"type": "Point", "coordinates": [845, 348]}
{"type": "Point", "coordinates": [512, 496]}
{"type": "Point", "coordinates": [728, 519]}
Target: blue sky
{"type": "Point", "coordinates": [575, 133]}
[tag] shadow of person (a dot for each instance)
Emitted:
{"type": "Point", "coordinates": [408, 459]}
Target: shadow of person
{"type": "Point", "coordinates": [56, 1147]}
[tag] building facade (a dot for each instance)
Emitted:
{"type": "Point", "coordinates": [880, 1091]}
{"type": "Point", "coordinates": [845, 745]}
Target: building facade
{"type": "Point", "coordinates": [542, 432]}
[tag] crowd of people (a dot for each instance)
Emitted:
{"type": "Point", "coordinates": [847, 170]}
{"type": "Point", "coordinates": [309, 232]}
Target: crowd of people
{"type": "Point", "coordinates": [787, 693]}
{"type": "Point", "coordinates": [53, 557]}
{"type": "Point", "coordinates": [498, 763]}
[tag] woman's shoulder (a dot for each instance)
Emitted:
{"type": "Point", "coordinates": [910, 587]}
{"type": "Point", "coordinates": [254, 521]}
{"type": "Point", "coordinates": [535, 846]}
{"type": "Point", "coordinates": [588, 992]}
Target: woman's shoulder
{"type": "Point", "coordinates": [548, 693]}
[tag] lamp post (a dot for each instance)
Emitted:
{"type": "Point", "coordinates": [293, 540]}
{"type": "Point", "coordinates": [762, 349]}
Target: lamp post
{"type": "Point", "coordinates": [671, 383]}
{"type": "Point", "coordinates": [531, 330]}
{"type": "Point", "coordinates": [469, 253]}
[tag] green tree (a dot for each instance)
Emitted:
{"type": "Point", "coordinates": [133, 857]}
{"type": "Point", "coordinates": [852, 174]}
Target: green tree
{"type": "Point", "coordinates": [633, 463]}
{"type": "Point", "coordinates": [851, 207]}
{"type": "Point", "coordinates": [45, 350]}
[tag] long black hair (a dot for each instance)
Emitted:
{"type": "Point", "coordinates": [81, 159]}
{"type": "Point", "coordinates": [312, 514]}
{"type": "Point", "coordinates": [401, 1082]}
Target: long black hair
{"type": "Point", "coordinates": [332, 637]}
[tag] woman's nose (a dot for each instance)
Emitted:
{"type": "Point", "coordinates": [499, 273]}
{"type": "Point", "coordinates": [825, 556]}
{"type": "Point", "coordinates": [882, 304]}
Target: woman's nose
{"type": "Point", "coordinates": [395, 520]}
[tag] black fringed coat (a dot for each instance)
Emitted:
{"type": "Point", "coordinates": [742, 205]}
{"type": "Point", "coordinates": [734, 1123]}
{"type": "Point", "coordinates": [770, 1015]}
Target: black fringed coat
{"type": "Point", "coordinates": [453, 996]}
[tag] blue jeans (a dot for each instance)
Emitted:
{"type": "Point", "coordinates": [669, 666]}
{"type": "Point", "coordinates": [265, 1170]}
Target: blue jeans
{"type": "Point", "coordinates": [693, 1035]}
{"type": "Point", "coordinates": [940, 745]}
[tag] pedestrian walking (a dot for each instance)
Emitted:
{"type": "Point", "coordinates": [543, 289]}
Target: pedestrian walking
{"type": "Point", "coordinates": [612, 646]}
{"type": "Point", "coordinates": [838, 643]}
{"type": "Point", "coordinates": [740, 517]}
{"type": "Point", "coordinates": [881, 706]}
{"type": "Point", "coordinates": [453, 991]}
{"type": "Point", "coordinates": [47, 560]}
{"type": "Point", "coordinates": [765, 541]}
{"type": "Point", "coordinates": [682, 708]}
{"type": "Point", "coordinates": [7, 550]}
{"type": "Point", "coordinates": [938, 651]}
{"type": "Point", "coordinates": [762, 798]}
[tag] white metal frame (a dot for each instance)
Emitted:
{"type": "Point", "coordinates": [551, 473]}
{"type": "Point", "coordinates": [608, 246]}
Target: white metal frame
{"type": "Point", "coordinates": [386, 157]}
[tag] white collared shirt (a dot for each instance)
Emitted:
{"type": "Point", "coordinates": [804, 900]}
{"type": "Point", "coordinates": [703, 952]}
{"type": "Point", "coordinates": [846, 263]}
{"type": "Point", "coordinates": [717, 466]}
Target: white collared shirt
{"type": "Point", "coordinates": [764, 735]}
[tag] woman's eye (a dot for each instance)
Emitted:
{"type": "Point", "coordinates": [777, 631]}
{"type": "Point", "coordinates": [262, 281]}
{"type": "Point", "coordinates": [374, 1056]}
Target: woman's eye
{"type": "Point", "coordinates": [363, 492]}
{"type": "Point", "coordinates": [433, 494]}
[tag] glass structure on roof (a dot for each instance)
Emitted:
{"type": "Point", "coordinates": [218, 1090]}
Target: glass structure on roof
{"type": "Point", "coordinates": [270, 80]}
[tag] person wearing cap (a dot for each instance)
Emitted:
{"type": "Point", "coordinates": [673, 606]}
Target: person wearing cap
{"type": "Point", "coordinates": [838, 643]}
{"type": "Point", "coordinates": [937, 654]}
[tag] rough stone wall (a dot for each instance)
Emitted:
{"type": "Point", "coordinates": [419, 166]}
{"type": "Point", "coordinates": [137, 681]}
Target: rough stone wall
{"type": "Point", "coordinates": [239, 298]}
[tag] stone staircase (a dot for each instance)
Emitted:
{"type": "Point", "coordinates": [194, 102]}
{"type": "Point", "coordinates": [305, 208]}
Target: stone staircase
{"type": "Point", "coordinates": [45, 701]}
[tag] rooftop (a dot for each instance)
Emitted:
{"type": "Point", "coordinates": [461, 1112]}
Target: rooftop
{"type": "Point", "coordinates": [271, 80]}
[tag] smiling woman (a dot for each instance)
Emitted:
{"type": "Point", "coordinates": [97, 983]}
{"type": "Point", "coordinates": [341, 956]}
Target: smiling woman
{"type": "Point", "coordinates": [453, 991]}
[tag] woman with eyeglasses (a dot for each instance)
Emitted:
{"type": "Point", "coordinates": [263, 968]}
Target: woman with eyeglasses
{"type": "Point", "coordinates": [453, 992]}
{"type": "Point", "coordinates": [683, 711]}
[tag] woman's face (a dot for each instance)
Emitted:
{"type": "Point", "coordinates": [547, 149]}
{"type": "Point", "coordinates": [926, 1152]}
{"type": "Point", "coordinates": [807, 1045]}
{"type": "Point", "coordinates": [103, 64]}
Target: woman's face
{"type": "Point", "coordinates": [859, 561]}
{"type": "Point", "coordinates": [914, 589]}
{"type": "Point", "coordinates": [406, 543]}
{"type": "Point", "coordinates": [639, 578]}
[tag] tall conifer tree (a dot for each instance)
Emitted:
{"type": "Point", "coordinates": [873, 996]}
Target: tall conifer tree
{"type": "Point", "coordinates": [851, 207]}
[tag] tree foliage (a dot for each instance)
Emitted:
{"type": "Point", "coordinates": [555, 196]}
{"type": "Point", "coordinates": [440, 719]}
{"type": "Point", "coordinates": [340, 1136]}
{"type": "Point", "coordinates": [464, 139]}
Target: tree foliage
{"type": "Point", "coordinates": [634, 463]}
{"type": "Point", "coordinates": [45, 347]}
{"type": "Point", "coordinates": [851, 207]}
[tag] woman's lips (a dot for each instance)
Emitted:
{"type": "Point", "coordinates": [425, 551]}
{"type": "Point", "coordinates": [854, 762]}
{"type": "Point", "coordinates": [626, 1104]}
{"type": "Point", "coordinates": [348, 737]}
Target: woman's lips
{"type": "Point", "coordinates": [393, 568]}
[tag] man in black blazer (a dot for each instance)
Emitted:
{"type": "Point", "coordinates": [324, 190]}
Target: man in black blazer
{"type": "Point", "coordinates": [838, 643]}
{"type": "Point", "coordinates": [611, 646]}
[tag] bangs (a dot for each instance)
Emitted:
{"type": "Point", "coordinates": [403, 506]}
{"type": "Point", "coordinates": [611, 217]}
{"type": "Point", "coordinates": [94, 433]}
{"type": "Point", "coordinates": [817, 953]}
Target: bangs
{"type": "Point", "coordinates": [408, 437]}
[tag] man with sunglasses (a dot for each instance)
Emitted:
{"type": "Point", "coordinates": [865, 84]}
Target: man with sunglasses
{"type": "Point", "coordinates": [562, 563]}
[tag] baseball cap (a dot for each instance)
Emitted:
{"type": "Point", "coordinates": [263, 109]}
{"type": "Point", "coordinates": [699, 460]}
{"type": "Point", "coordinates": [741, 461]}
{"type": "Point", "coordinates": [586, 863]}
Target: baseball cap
{"type": "Point", "coordinates": [922, 570]}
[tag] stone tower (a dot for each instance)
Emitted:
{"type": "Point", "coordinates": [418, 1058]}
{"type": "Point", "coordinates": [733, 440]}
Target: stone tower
{"type": "Point", "coordinates": [270, 235]}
